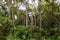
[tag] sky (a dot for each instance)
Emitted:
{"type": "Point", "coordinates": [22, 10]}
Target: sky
{"type": "Point", "coordinates": [58, 2]}
{"type": "Point", "coordinates": [35, 3]}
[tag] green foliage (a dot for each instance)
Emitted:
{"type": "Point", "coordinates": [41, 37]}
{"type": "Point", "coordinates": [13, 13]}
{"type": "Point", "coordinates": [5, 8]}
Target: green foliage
{"type": "Point", "coordinates": [3, 20]}
{"type": "Point", "coordinates": [58, 37]}
{"type": "Point", "coordinates": [2, 12]}
{"type": "Point", "coordinates": [31, 33]}
{"type": "Point", "coordinates": [11, 29]}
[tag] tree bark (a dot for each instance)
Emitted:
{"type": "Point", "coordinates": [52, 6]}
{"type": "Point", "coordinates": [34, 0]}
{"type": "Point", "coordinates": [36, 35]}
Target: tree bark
{"type": "Point", "coordinates": [39, 11]}
{"type": "Point", "coordinates": [26, 19]}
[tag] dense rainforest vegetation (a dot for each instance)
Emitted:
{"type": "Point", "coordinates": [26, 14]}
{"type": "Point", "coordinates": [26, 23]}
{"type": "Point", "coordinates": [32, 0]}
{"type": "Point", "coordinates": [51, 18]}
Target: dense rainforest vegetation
{"type": "Point", "coordinates": [29, 20]}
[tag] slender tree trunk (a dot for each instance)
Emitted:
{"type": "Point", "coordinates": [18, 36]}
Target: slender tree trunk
{"type": "Point", "coordinates": [26, 14]}
{"type": "Point", "coordinates": [11, 15]}
{"type": "Point", "coordinates": [39, 11]}
{"type": "Point", "coordinates": [31, 20]}
{"type": "Point", "coordinates": [26, 19]}
{"type": "Point", "coordinates": [9, 6]}
{"type": "Point", "coordinates": [40, 20]}
{"type": "Point", "coordinates": [34, 20]}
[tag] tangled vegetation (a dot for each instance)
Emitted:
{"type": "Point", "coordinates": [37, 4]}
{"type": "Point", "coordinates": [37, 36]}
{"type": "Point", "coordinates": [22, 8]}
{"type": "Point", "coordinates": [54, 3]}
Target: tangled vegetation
{"type": "Point", "coordinates": [33, 23]}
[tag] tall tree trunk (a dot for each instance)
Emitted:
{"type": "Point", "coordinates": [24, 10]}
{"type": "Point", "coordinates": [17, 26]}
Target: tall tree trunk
{"type": "Point", "coordinates": [9, 6]}
{"type": "Point", "coordinates": [26, 14]}
{"type": "Point", "coordinates": [31, 20]}
{"type": "Point", "coordinates": [26, 19]}
{"type": "Point", "coordinates": [39, 11]}
{"type": "Point", "coordinates": [11, 15]}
